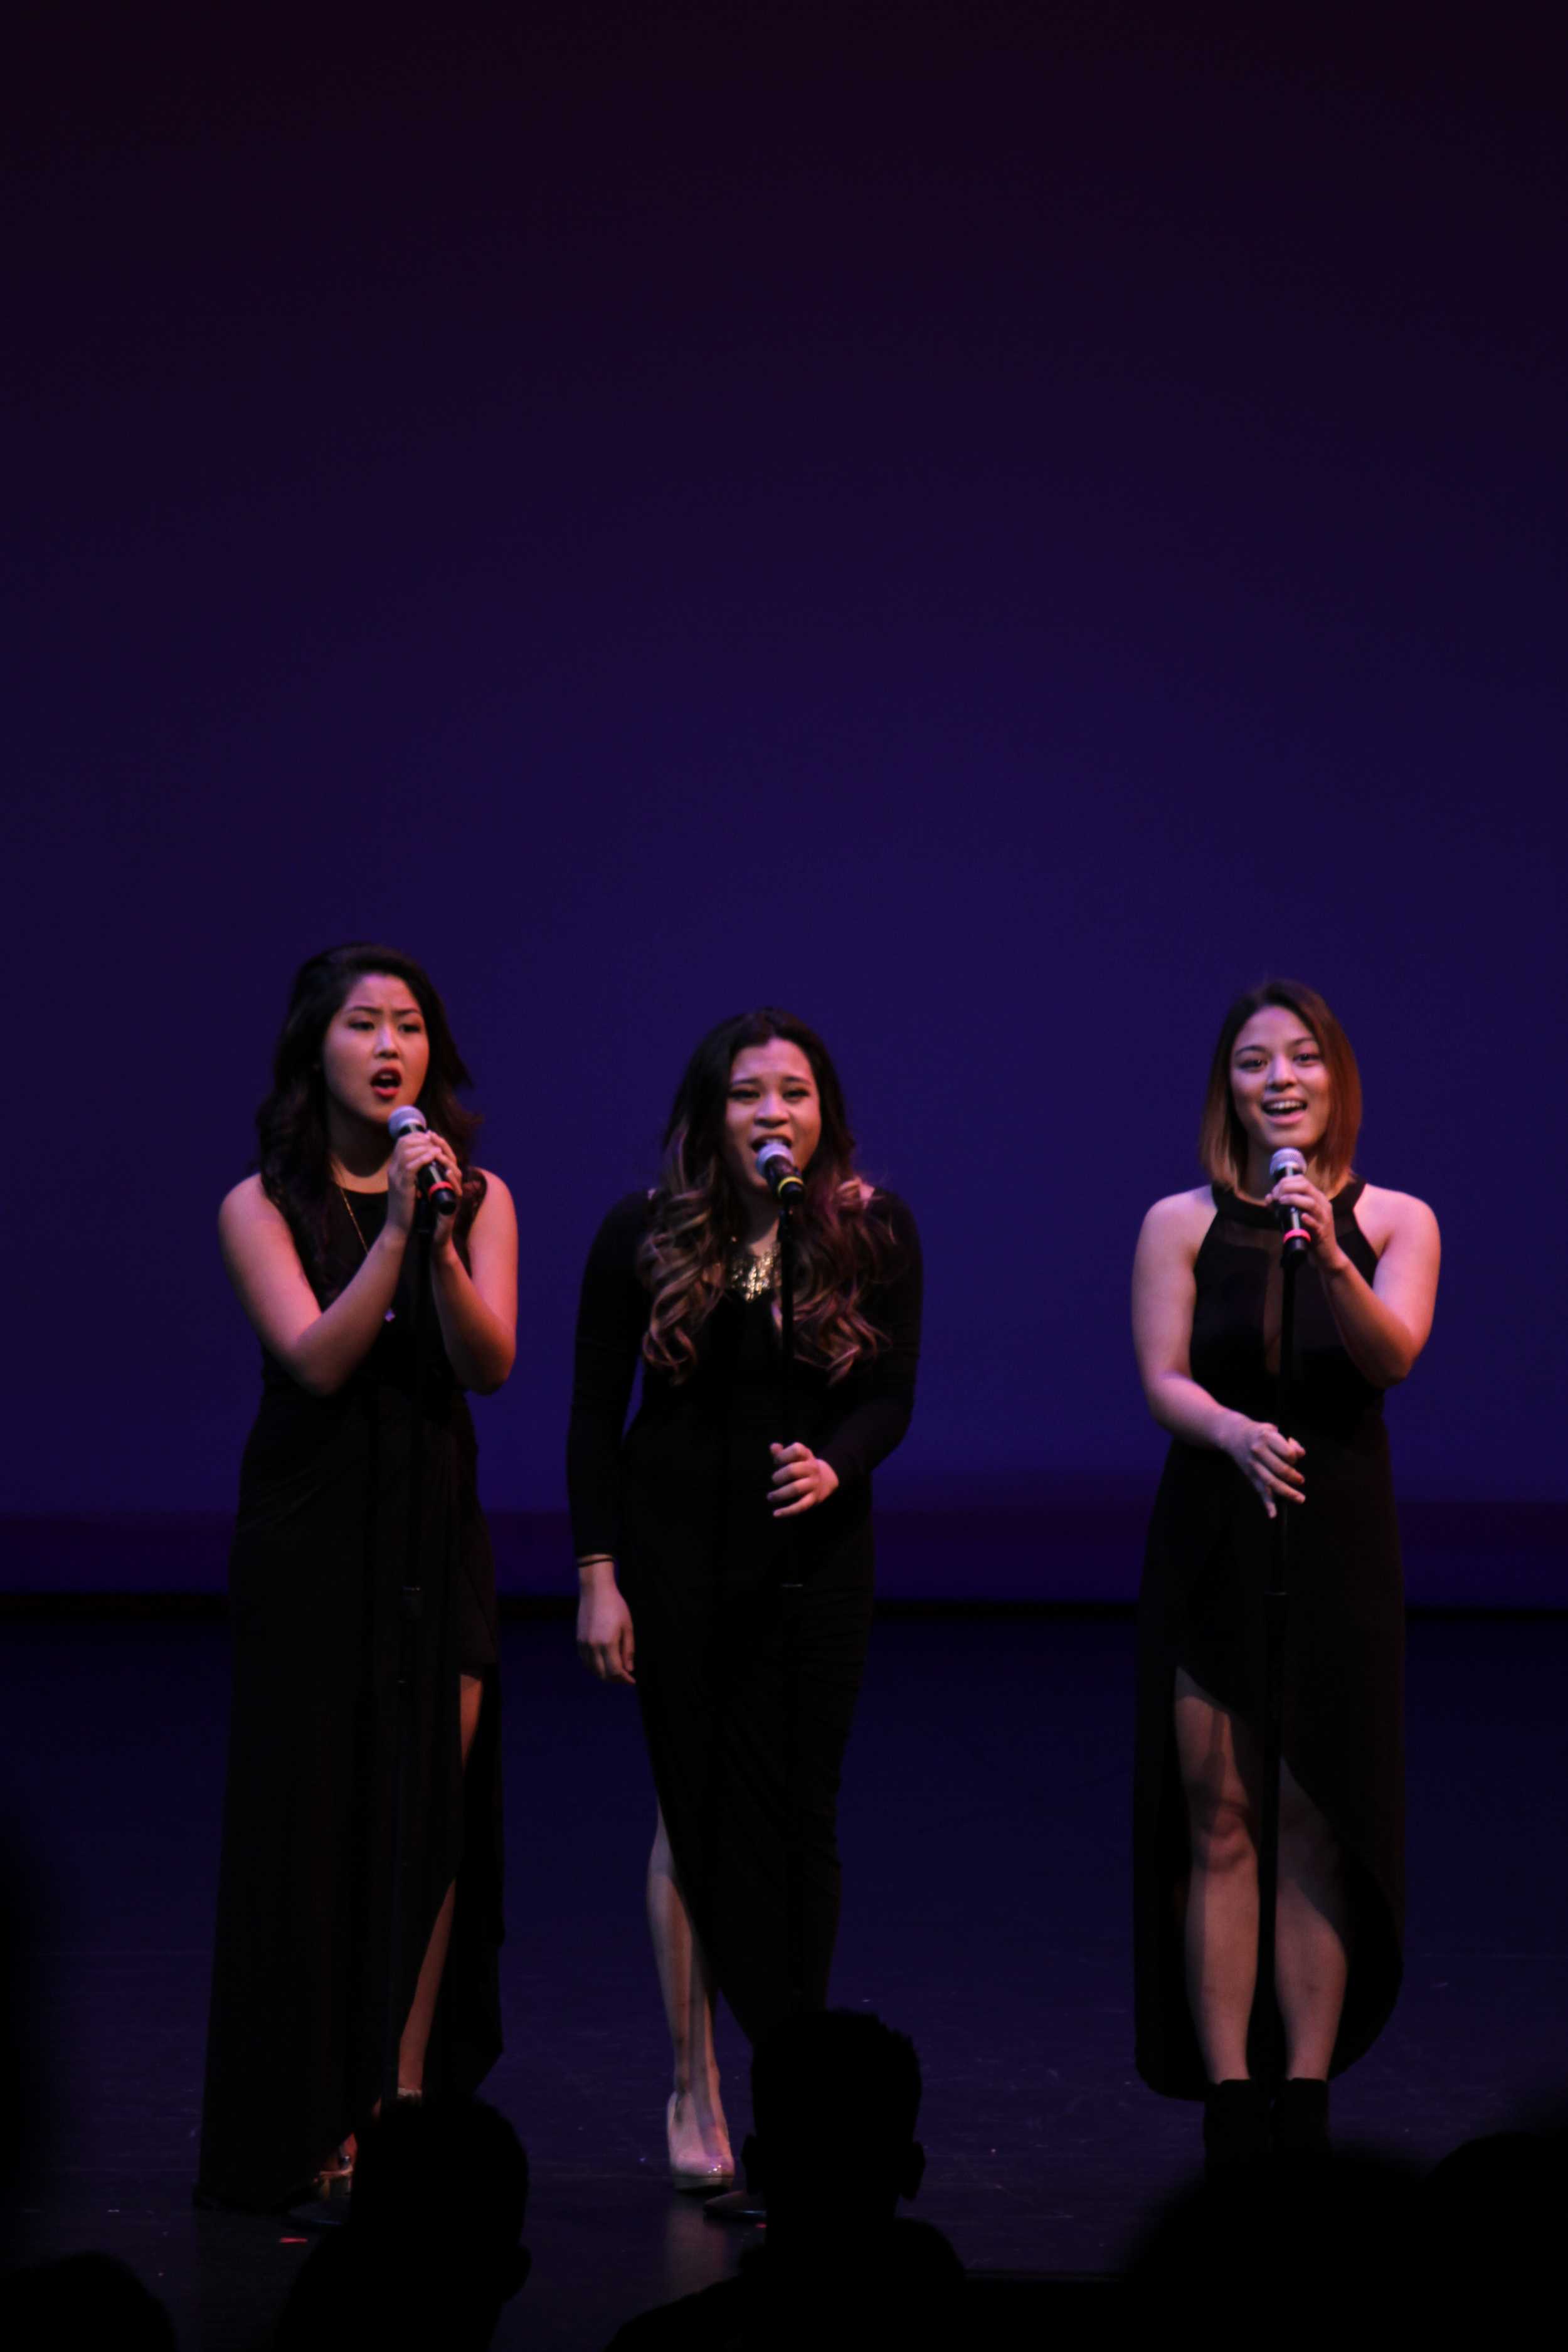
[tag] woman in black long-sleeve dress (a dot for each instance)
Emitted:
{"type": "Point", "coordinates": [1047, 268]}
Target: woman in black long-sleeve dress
{"type": "Point", "coordinates": [1207, 1292]}
{"type": "Point", "coordinates": [317, 1246]}
{"type": "Point", "coordinates": [700, 1509]}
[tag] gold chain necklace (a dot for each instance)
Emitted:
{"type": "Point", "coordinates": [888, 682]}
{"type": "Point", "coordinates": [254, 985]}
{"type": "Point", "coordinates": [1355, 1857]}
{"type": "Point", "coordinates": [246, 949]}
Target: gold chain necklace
{"type": "Point", "coordinates": [365, 1245]}
{"type": "Point", "coordinates": [753, 1273]}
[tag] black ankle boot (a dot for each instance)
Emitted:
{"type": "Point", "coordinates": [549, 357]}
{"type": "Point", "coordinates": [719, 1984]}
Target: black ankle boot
{"type": "Point", "coordinates": [1235, 2125]}
{"type": "Point", "coordinates": [1301, 2119]}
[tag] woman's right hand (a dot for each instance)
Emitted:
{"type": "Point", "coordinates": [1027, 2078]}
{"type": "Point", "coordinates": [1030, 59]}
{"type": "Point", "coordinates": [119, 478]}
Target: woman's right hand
{"type": "Point", "coordinates": [1267, 1462]}
{"type": "Point", "coordinates": [419, 1148]}
{"type": "Point", "coordinates": [605, 1641]}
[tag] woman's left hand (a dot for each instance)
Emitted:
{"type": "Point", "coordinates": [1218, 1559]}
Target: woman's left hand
{"type": "Point", "coordinates": [801, 1480]}
{"type": "Point", "coordinates": [443, 1230]}
{"type": "Point", "coordinates": [416, 1149]}
{"type": "Point", "coordinates": [1316, 1214]}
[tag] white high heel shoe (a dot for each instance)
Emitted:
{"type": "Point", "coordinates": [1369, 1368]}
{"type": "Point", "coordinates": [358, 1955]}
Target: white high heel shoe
{"type": "Point", "coordinates": [697, 2167]}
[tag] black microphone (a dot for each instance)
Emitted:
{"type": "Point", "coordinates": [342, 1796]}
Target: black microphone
{"type": "Point", "coordinates": [784, 1180]}
{"type": "Point", "coordinates": [433, 1185]}
{"type": "Point", "coordinates": [1289, 1162]}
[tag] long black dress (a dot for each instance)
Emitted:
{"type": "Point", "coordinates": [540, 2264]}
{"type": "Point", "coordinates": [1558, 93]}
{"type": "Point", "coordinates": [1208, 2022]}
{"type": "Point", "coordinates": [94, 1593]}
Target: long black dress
{"type": "Point", "coordinates": [682, 1502]}
{"type": "Point", "coordinates": [299, 1998]}
{"type": "Point", "coordinates": [1200, 1607]}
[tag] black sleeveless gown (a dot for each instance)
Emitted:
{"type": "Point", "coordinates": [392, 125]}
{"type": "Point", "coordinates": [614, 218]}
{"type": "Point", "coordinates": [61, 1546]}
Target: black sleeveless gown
{"type": "Point", "coordinates": [680, 1501]}
{"type": "Point", "coordinates": [1200, 1607]}
{"type": "Point", "coordinates": [299, 1995]}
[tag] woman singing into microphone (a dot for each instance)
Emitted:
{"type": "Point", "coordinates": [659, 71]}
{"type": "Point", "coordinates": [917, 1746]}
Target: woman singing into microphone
{"type": "Point", "coordinates": [1207, 1300]}
{"type": "Point", "coordinates": [702, 1509]}
{"type": "Point", "coordinates": [361, 1378]}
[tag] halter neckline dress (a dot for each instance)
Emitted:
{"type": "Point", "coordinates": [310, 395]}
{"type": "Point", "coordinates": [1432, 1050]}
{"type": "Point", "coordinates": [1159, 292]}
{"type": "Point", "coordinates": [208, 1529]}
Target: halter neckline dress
{"type": "Point", "coordinates": [299, 1997]}
{"type": "Point", "coordinates": [1200, 1607]}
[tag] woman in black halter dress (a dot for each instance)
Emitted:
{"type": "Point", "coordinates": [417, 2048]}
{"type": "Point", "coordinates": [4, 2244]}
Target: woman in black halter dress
{"type": "Point", "coordinates": [1206, 1322]}
{"type": "Point", "coordinates": [698, 1509]}
{"type": "Point", "coordinates": [317, 1247]}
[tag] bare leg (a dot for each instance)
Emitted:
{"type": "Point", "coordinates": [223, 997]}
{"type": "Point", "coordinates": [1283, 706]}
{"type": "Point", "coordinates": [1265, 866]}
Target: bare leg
{"type": "Point", "coordinates": [415, 2038]}
{"type": "Point", "coordinates": [1313, 1927]}
{"type": "Point", "coordinates": [1311, 1920]}
{"type": "Point", "coordinates": [1222, 1895]}
{"type": "Point", "coordinates": [687, 1984]}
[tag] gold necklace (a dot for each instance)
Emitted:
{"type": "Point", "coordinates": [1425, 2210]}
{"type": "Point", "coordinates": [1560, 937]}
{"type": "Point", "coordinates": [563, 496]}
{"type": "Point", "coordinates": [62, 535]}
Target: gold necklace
{"type": "Point", "coordinates": [753, 1273]}
{"type": "Point", "coordinates": [365, 1245]}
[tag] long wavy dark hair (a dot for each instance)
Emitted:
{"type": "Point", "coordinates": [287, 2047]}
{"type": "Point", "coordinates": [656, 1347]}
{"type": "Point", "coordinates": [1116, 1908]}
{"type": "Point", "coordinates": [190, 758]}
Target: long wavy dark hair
{"type": "Point", "coordinates": [293, 1160]}
{"type": "Point", "coordinates": [844, 1241]}
{"type": "Point", "coordinates": [1222, 1138]}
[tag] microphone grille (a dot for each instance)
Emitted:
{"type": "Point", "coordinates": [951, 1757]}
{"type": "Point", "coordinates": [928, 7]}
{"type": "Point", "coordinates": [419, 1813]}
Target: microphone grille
{"type": "Point", "coordinates": [406, 1120]}
{"type": "Point", "coordinates": [1288, 1161]}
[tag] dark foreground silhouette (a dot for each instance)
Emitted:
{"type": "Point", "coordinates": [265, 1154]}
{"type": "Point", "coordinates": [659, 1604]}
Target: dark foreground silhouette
{"type": "Point", "coordinates": [431, 2249]}
{"type": "Point", "coordinates": [837, 2098]}
{"type": "Point", "coordinates": [85, 2299]}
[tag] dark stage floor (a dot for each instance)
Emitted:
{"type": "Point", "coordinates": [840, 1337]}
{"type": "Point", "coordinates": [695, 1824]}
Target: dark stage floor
{"type": "Point", "coordinates": [984, 1841]}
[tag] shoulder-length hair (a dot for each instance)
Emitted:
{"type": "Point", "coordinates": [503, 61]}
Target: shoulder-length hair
{"type": "Point", "coordinates": [1222, 1138]}
{"type": "Point", "coordinates": [293, 1160]}
{"type": "Point", "coordinates": [844, 1243]}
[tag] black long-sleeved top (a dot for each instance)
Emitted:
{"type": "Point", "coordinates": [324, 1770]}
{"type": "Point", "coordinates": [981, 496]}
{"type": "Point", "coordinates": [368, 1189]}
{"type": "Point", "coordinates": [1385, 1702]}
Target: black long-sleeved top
{"type": "Point", "coordinates": [694, 1433]}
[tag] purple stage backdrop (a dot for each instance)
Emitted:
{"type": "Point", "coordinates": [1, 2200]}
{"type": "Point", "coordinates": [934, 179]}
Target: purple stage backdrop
{"type": "Point", "coordinates": [992, 527]}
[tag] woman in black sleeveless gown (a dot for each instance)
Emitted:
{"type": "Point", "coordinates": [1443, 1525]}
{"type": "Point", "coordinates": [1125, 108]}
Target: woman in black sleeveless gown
{"type": "Point", "coordinates": [700, 1509]}
{"type": "Point", "coordinates": [317, 1247]}
{"type": "Point", "coordinates": [1206, 1289]}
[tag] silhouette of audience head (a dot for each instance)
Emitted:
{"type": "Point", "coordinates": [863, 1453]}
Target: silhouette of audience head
{"type": "Point", "coordinates": [87, 2299]}
{"type": "Point", "coordinates": [1476, 2239]}
{"type": "Point", "coordinates": [431, 2248]}
{"type": "Point", "coordinates": [28, 2058]}
{"type": "Point", "coordinates": [836, 2096]}
{"type": "Point", "coordinates": [1488, 2219]}
{"type": "Point", "coordinates": [1307, 2239]}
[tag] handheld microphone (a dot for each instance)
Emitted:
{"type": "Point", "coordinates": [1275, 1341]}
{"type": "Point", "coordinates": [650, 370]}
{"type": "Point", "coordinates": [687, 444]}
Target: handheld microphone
{"type": "Point", "coordinates": [1289, 1162]}
{"type": "Point", "coordinates": [433, 1186]}
{"type": "Point", "coordinates": [784, 1180]}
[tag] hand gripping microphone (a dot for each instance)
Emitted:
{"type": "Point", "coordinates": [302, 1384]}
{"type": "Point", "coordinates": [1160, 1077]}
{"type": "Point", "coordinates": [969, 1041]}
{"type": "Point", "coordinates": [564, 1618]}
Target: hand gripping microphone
{"type": "Point", "coordinates": [784, 1180]}
{"type": "Point", "coordinates": [433, 1185]}
{"type": "Point", "coordinates": [1286, 1162]}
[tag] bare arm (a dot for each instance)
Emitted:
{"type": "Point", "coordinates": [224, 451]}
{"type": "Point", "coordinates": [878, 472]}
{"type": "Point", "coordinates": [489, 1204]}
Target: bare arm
{"type": "Point", "coordinates": [475, 1303]}
{"type": "Point", "coordinates": [1164, 1293]}
{"type": "Point", "coordinates": [323, 1346]}
{"type": "Point", "coordinates": [1386, 1322]}
{"type": "Point", "coordinates": [320, 1347]}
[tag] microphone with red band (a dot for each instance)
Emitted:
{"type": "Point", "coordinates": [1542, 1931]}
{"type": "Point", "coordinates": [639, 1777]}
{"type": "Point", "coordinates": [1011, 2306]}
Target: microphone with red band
{"type": "Point", "coordinates": [433, 1186]}
{"type": "Point", "coordinates": [784, 1180]}
{"type": "Point", "coordinates": [1298, 1240]}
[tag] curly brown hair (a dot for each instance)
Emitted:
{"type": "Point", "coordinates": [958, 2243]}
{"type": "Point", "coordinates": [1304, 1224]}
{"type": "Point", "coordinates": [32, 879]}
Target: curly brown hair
{"type": "Point", "coordinates": [844, 1242]}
